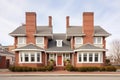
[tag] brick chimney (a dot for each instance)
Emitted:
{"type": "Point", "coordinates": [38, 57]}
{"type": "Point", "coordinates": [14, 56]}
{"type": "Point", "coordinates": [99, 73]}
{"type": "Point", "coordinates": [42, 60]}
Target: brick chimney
{"type": "Point", "coordinates": [30, 26]}
{"type": "Point", "coordinates": [50, 21]}
{"type": "Point", "coordinates": [67, 22]}
{"type": "Point", "coordinates": [88, 27]}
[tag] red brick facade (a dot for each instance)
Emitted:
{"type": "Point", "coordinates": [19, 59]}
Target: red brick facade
{"type": "Point", "coordinates": [30, 27]}
{"type": "Point", "coordinates": [87, 29]}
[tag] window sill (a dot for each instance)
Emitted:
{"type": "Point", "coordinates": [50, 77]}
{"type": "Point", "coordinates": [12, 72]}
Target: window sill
{"type": "Point", "coordinates": [29, 62]}
{"type": "Point", "coordinates": [89, 62]}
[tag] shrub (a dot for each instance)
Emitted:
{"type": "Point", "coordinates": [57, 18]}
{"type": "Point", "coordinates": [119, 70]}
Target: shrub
{"type": "Point", "coordinates": [102, 68]}
{"type": "Point", "coordinates": [88, 69]}
{"type": "Point", "coordinates": [27, 69]}
{"type": "Point", "coordinates": [69, 67]}
{"type": "Point", "coordinates": [110, 68]}
{"type": "Point", "coordinates": [49, 68]}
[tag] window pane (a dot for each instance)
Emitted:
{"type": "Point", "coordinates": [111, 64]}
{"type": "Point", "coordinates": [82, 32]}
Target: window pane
{"type": "Point", "coordinates": [21, 40]}
{"type": "Point", "coordinates": [21, 58]}
{"type": "Point", "coordinates": [38, 57]}
{"type": "Point", "coordinates": [96, 57]}
{"type": "Point", "coordinates": [67, 55]}
{"type": "Point", "coordinates": [32, 57]}
{"type": "Point", "coordinates": [99, 40]}
{"type": "Point", "coordinates": [39, 40]}
{"type": "Point", "coordinates": [78, 40]}
{"type": "Point", "coordinates": [79, 57]}
{"type": "Point", "coordinates": [84, 57]}
{"type": "Point", "coordinates": [26, 58]}
{"type": "Point", "coordinates": [90, 57]}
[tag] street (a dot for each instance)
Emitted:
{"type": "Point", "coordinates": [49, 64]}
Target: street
{"type": "Point", "coordinates": [60, 78]}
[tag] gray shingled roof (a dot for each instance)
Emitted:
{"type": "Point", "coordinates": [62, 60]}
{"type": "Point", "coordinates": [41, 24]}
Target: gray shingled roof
{"type": "Point", "coordinates": [4, 52]}
{"type": "Point", "coordinates": [77, 31]}
{"type": "Point", "coordinates": [89, 46]}
{"type": "Point", "coordinates": [41, 31]}
{"type": "Point", "coordinates": [52, 44]}
{"type": "Point", "coordinates": [29, 47]}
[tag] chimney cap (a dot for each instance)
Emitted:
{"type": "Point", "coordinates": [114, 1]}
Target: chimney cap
{"type": "Point", "coordinates": [34, 13]}
{"type": "Point", "coordinates": [88, 13]}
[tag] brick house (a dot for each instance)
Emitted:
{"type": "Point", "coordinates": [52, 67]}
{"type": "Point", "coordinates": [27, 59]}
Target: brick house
{"type": "Point", "coordinates": [6, 57]}
{"type": "Point", "coordinates": [82, 45]}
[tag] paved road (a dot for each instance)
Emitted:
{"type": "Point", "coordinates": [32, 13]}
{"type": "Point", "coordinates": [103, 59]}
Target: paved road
{"type": "Point", "coordinates": [61, 78]}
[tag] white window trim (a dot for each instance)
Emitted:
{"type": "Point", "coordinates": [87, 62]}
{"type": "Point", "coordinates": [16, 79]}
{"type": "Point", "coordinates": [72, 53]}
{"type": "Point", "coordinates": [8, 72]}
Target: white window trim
{"type": "Point", "coordinates": [42, 41]}
{"type": "Point", "coordinates": [67, 57]}
{"type": "Point", "coordinates": [76, 40]}
{"type": "Point", "coordinates": [23, 42]}
{"type": "Point", "coordinates": [100, 57]}
{"type": "Point", "coordinates": [51, 57]}
{"type": "Point", "coordinates": [59, 41]}
{"type": "Point", "coordinates": [96, 40]}
{"type": "Point", "coordinates": [29, 56]}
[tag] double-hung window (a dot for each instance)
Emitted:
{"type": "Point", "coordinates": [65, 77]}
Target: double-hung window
{"type": "Point", "coordinates": [21, 40]}
{"type": "Point", "coordinates": [78, 40]}
{"type": "Point", "coordinates": [39, 40]}
{"type": "Point", "coordinates": [97, 40]}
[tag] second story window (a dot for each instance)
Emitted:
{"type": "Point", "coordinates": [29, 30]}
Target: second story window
{"type": "Point", "coordinates": [39, 40]}
{"type": "Point", "coordinates": [21, 40]}
{"type": "Point", "coordinates": [97, 40]}
{"type": "Point", "coordinates": [78, 40]}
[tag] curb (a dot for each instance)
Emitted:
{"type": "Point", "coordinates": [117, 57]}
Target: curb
{"type": "Point", "coordinates": [55, 75]}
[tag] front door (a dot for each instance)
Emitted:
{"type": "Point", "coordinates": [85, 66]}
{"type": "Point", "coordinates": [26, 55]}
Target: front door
{"type": "Point", "coordinates": [59, 60]}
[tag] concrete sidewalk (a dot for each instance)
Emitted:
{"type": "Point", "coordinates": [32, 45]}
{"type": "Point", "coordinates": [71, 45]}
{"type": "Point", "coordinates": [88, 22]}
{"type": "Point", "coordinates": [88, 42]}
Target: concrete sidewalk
{"type": "Point", "coordinates": [59, 73]}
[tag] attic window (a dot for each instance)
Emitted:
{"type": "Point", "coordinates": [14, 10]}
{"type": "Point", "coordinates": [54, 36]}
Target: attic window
{"type": "Point", "coordinates": [59, 43]}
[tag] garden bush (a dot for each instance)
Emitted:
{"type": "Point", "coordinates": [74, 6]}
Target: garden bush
{"type": "Point", "coordinates": [28, 69]}
{"type": "Point", "coordinates": [90, 69]}
{"type": "Point", "coordinates": [69, 67]}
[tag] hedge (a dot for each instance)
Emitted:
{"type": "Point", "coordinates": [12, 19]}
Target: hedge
{"type": "Point", "coordinates": [90, 69]}
{"type": "Point", "coordinates": [29, 69]}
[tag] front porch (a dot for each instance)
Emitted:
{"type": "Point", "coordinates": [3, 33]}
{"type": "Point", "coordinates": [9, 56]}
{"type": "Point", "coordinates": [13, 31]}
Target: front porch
{"type": "Point", "coordinates": [60, 59]}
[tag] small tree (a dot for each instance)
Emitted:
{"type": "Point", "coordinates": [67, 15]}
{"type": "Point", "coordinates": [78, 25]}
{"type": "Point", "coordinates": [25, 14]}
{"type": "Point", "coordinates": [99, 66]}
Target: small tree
{"type": "Point", "coordinates": [115, 51]}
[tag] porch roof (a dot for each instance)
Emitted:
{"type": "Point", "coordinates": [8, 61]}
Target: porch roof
{"type": "Point", "coordinates": [29, 47]}
{"type": "Point", "coordinates": [89, 47]}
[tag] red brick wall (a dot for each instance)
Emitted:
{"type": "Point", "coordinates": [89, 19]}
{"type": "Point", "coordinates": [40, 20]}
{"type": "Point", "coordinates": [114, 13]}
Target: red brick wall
{"type": "Point", "coordinates": [104, 43]}
{"type": "Point", "coordinates": [67, 21]}
{"type": "Point", "coordinates": [16, 58]}
{"type": "Point", "coordinates": [45, 42]}
{"type": "Point", "coordinates": [72, 43]}
{"type": "Point", "coordinates": [3, 62]}
{"type": "Point", "coordinates": [88, 27]}
{"type": "Point", "coordinates": [30, 26]}
{"type": "Point", "coordinates": [15, 42]}
{"type": "Point", "coordinates": [50, 21]}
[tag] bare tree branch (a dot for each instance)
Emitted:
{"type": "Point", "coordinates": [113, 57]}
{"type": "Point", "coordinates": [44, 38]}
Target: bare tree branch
{"type": "Point", "coordinates": [115, 51]}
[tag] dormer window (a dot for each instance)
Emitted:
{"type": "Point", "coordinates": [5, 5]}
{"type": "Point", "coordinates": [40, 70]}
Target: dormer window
{"type": "Point", "coordinates": [59, 43]}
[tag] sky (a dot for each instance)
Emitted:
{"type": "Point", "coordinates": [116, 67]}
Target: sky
{"type": "Point", "coordinates": [12, 15]}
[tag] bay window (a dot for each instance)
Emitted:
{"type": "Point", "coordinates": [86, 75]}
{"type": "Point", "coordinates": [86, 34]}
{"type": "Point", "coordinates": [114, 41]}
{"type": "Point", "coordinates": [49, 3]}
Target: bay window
{"type": "Point", "coordinates": [30, 57]}
{"type": "Point", "coordinates": [89, 57]}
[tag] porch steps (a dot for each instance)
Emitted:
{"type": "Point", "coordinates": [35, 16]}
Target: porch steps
{"type": "Point", "coordinates": [61, 68]}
